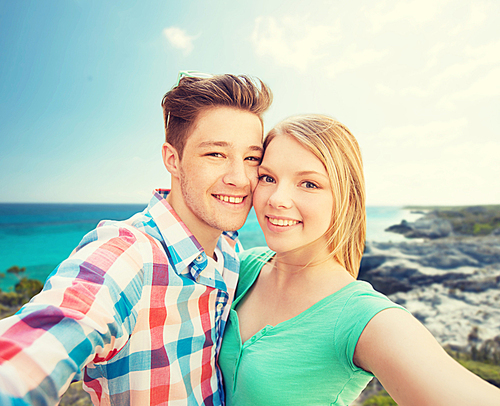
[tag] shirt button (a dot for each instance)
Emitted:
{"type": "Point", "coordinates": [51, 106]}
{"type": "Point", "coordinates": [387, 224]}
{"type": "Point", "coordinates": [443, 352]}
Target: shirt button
{"type": "Point", "coordinates": [199, 258]}
{"type": "Point", "coordinates": [219, 306]}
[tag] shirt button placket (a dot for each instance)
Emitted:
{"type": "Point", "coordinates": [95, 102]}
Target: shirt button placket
{"type": "Point", "coordinates": [198, 260]}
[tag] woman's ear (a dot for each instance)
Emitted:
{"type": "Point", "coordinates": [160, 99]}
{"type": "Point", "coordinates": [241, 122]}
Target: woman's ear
{"type": "Point", "coordinates": [170, 159]}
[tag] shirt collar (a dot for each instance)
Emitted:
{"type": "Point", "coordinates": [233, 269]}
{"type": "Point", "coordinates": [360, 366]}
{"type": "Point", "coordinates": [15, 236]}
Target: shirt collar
{"type": "Point", "coordinates": [181, 245]}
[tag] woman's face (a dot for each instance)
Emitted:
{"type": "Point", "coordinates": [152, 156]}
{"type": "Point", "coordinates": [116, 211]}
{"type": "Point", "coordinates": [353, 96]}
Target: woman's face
{"type": "Point", "coordinates": [293, 199]}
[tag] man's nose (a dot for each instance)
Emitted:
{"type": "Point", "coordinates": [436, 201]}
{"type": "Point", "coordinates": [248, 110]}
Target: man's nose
{"type": "Point", "coordinates": [238, 174]}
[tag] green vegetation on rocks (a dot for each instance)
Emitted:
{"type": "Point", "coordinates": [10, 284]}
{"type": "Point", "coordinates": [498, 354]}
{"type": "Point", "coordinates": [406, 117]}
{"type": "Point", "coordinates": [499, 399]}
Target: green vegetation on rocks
{"type": "Point", "coordinates": [24, 290]}
{"type": "Point", "coordinates": [382, 398]}
{"type": "Point", "coordinates": [484, 361]}
{"type": "Point", "coordinates": [75, 396]}
{"type": "Point", "coordinates": [468, 220]}
{"type": "Point", "coordinates": [11, 302]}
{"type": "Point", "coordinates": [488, 372]}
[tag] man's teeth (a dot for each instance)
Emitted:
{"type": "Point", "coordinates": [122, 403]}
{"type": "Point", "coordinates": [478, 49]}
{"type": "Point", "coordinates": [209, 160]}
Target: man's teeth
{"type": "Point", "coordinates": [230, 199]}
{"type": "Point", "coordinates": [282, 222]}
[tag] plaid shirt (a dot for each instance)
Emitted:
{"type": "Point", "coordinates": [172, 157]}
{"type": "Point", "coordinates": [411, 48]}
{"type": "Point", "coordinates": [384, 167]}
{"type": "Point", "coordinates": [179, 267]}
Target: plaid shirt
{"type": "Point", "coordinates": [136, 308]}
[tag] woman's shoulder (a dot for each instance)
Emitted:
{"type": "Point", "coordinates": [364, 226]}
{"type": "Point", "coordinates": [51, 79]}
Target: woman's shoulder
{"type": "Point", "coordinates": [361, 303]}
{"type": "Point", "coordinates": [362, 293]}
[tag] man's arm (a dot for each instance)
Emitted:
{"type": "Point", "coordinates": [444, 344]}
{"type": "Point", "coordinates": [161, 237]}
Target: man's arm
{"type": "Point", "coordinates": [412, 366]}
{"type": "Point", "coordinates": [81, 316]}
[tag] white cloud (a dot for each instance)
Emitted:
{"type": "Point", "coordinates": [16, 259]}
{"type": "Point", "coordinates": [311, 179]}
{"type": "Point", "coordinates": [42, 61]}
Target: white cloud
{"type": "Point", "coordinates": [411, 137]}
{"type": "Point", "coordinates": [478, 15]}
{"type": "Point", "coordinates": [435, 53]}
{"type": "Point", "coordinates": [463, 75]}
{"type": "Point", "coordinates": [293, 41]}
{"type": "Point", "coordinates": [487, 55]}
{"type": "Point", "coordinates": [431, 164]}
{"type": "Point", "coordinates": [427, 182]}
{"type": "Point", "coordinates": [384, 90]}
{"type": "Point", "coordinates": [352, 59]}
{"type": "Point", "coordinates": [301, 44]}
{"type": "Point", "coordinates": [414, 91]}
{"type": "Point", "coordinates": [482, 155]}
{"type": "Point", "coordinates": [413, 12]}
{"type": "Point", "coordinates": [485, 87]}
{"type": "Point", "coordinates": [179, 39]}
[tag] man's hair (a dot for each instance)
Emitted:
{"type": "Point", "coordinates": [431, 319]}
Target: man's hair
{"type": "Point", "coordinates": [334, 145]}
{"type": "Point", "coordinates": [183, 104]}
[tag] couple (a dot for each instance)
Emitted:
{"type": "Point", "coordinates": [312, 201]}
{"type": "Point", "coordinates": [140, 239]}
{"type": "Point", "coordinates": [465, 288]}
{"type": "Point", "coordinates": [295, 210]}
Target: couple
{"type": "Point", "coordinates": [139, 309]}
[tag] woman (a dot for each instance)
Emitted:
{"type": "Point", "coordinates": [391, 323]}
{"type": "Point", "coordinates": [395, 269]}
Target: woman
{"type": "Point", "coordinates": [303, 330]}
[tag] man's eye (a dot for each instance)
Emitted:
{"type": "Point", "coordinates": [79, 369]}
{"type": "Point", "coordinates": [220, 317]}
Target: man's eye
{"type": "Point", "coordinates": [254, 159]}
{"type": "Point", "coordinates": [215, 154]}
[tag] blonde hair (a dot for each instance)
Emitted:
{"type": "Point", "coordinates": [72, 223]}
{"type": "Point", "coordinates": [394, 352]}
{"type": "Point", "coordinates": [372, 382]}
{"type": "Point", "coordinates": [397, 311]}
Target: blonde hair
{"type": "Point", "coordinates": [334, 145]}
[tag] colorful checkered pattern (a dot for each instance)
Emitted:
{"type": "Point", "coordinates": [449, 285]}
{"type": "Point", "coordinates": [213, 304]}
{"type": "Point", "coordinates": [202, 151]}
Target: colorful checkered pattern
{"type": "Point", "coordinates": [135, 311]}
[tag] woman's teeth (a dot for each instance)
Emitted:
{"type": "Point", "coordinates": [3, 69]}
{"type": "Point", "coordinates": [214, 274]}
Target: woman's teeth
{"type": "Point", "coordinates": [282, 222]}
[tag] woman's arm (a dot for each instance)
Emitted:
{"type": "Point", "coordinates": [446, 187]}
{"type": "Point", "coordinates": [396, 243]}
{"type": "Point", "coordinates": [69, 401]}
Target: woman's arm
{"type": "Point", "coordinates": [412, 366]}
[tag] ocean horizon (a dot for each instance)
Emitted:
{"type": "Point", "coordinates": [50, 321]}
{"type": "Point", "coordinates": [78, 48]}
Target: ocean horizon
{"type": "Point", "coordinates": [38, 236]}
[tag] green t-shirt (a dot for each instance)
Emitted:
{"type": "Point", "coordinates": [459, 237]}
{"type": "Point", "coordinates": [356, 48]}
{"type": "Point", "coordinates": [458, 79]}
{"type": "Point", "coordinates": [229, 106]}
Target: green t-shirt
{"type": "Point", "coordinates": [306, 360]}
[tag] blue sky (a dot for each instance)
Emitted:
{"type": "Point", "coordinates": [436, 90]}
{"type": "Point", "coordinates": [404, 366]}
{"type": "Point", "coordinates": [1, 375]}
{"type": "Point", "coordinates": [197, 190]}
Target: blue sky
{"type": "Point", "coordinates": [417, 82]}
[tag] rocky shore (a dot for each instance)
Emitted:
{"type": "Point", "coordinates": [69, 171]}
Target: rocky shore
{"type": "Point", "coordinates": [448, 280]}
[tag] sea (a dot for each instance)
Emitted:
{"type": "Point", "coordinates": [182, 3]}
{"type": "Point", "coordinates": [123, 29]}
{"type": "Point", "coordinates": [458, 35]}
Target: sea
{"type": "Point", "coordinates": [38, 236]}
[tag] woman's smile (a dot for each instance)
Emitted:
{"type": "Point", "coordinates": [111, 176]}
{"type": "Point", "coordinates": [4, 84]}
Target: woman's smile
{"type": "Point", "coordinates": [293, 199]}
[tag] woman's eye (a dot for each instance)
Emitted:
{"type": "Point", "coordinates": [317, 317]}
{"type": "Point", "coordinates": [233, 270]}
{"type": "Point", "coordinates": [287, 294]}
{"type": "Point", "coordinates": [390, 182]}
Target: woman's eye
{"type": "Point", "coordinates": [266, 179]}
{"type": "Point", "coordinates": [310, 185]}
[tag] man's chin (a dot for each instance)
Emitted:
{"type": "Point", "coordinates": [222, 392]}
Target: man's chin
{"type": "Point", "coordinates": [225, 224]}
{"type": "Point", "coordinates": [231, 226]}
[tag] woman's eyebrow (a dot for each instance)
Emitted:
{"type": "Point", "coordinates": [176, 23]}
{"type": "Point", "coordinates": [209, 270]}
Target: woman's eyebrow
{"type": "Point", "coordinates": [307, 173]}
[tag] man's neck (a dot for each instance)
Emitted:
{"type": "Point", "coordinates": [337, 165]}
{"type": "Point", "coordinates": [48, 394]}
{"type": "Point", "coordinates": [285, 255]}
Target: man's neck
{"type": "Point", "coordinates": [204, 234]}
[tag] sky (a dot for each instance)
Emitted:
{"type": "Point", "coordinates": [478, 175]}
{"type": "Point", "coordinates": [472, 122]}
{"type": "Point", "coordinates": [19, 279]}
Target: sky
{"type": "Point", "coordinates": [416, 81]}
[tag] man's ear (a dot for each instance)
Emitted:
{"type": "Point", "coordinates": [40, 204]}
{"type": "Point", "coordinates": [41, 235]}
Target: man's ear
{"type": "Point", "coordinates": [171, 159]}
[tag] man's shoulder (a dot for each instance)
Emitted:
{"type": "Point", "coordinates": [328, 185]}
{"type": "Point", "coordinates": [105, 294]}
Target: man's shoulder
{"type": "Point", "coordinates": [124, 233]}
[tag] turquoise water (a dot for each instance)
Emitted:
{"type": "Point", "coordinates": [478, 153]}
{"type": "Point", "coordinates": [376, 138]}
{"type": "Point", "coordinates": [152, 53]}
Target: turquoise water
{"type": "Point", "coordinates": [39, 236]}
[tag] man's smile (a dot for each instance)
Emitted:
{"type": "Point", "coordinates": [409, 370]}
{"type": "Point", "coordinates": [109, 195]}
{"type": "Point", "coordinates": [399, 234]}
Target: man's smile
{"type": "Point", "coordinates": [230, 199]}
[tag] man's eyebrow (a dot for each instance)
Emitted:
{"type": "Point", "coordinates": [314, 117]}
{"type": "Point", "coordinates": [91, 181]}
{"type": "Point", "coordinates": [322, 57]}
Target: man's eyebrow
{"type": "Point", "coordinates": [209, 144]}
{"type": "Point", "coordinates": [225, 144]}
{"type": "Point", "coordinates": [256, 148]}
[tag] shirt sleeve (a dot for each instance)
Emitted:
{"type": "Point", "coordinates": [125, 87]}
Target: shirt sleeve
{"type": "Point", "coordinates": [361, 307]}
{"type": "Point", "coordinates": [84, 314]}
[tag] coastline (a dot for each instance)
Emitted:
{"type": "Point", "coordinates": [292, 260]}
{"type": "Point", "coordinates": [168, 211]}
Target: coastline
{"type": "Point", "coordinates": [40, 236]}
{"type": "Point", "coordinates": [447, 272]}
{"type": "Point", "coordinates": [449, 280]}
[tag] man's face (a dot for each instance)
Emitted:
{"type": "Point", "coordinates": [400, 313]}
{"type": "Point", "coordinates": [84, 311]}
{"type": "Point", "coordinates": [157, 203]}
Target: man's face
{"type": "Point", "coordinates": [218, 169]}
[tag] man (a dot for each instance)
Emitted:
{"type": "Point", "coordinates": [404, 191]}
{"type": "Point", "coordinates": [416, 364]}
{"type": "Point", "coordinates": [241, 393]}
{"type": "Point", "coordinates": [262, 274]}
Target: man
{"type": "Point", "coordinates": [140, 306]}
